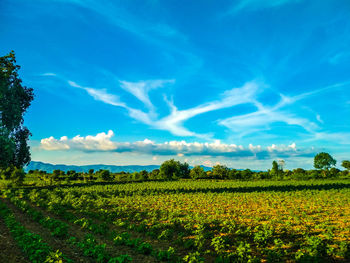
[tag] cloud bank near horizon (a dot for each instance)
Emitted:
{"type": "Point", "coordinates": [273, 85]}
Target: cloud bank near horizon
{"type": "Point", "coordinates": [102, 143]}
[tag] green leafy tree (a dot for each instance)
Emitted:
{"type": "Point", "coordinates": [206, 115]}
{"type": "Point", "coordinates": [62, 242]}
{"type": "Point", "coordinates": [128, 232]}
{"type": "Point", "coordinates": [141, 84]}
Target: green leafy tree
{"type": "Point", "coordinates": [277, 169]}
{"type": "Point", "coordinates": [169, 169]}
{"type": "Point", "coordinates": [91, 174]}
{"type": "Point", "coordinates": [234, 174]}
{"type": "Point", "coordinates": [197, 172]}
{"type": "Point", "coordinates": [135, 176]}
{"type": "Point", "coordinates": [14, 101]}
{"type": "Point", "coordinates": [299, 173]}
{"type": "Point", "coordinates": [184, 170]}
{"type": "Point", "coordinates": [56, 175]}
{"type": "Point", "coordinates": [324, 161]}
{"type": "Point", "coordinates": [220, 171]}
{"type": "Point", "coordinates": [154, 174]}
{"type": "Point", "coordinates": [246, 174]}
{"type": "Point", "coordinates": [17, 176]}
{"type": "Point", "coordinates": [274, 171]}
{"type": "Point", "coordinates": [334, 172]}
{"type": "Point", "coordinates": [72, 175]}
{"type": "Point", "coordinates": [13, 174]}
{"type": "Point", "coordinates": [346, 164]}
{"type": "Point", "coordinates": [143, 175]}
{"type": "Point", "coordinates": [104, 175]}
{"type": "Point", "coordinates": [6, 173]}
{"type": "Point", "coordinates": [172, 169]}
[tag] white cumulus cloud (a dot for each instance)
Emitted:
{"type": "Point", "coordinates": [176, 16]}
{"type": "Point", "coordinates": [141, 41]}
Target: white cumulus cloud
{"type": "Point", "coordinates": [102, 142]}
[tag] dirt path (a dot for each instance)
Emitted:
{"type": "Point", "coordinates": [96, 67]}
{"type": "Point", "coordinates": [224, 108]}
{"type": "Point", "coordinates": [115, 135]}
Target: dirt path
{"type": "Point", "coordinates": [9, 251]}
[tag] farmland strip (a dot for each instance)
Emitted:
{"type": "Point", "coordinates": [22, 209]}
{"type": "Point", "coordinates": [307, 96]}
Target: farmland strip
{"type": "Point", "coordinates": [31, 244]}
{"type": "Point", "coordinates": [92, 246]}
{"type": "Point", "coordinates": [9, 250]}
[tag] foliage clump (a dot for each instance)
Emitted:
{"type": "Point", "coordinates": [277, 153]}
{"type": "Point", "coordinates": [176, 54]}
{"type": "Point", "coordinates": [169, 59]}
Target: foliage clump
{"type": "Point", "coordinates": [14, 101]}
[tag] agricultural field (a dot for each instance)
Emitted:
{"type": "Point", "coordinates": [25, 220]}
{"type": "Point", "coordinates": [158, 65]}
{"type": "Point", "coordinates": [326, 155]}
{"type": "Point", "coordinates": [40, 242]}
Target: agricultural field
{"type": "Point", "coordinates": [178, 221]}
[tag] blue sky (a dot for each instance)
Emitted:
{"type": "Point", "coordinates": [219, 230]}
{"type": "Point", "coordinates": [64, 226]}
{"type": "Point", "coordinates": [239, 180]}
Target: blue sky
{"type": "Point", "coordinates": [239, 83]}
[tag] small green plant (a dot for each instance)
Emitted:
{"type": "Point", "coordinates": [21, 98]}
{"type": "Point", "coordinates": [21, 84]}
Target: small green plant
{"type": "Point", "coordinates": [165, 255]}
{"type": "Point", "coordinates": [56, 257]}
{"type": "Point", "coordinates": [262, 235]}
{"type": "Point", "coordinates": [93, 249]}
{"type": "Point", "coordinates": [314, 250]}
{"type": "Point", "coordinates": [194, 257]}
{"type": "Point", "coordinates": [31, 244]}
{"type": "Point", "coordinates": [219, 244]}
{"type": "Point", "coordinates": [120, 259]}
{"type": "Point", "coordinates": [145, 248]}
{"type": "Point", "coordinates": [121, 239]}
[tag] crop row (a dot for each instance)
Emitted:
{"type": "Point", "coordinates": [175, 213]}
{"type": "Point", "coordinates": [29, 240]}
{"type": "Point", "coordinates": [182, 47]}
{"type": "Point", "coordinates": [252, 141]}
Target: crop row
{"type": "Point", "coordinates": [59, 229]}
{"type": "Point", "coordinates": [31, 244]}
{"type": "Point", "coordinates": [85, 223]}
{"type": "Point", "coordinates": [90, 248]}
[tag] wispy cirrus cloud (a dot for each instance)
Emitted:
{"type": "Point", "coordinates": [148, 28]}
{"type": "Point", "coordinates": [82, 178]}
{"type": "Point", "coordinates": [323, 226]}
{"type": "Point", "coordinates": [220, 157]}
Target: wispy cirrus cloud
{"type": "Point", "coordinates": [141, 89]}
{"type": "Point", "coordinates": [48, 74]}
{"type": "Point", "coordinates": [108, 98]}
{"type": "Point", "coordinates": [174, 122]}
{"type": "Point", "coordinates": [264, 117]}
{"type": "Point", "coordinates": [99, 94]}
{"type": "Point", "coordinates": [102, 142]}
{"type": "Point", "coordinates": [241, 124]}
{"type": "Point", "coordinates": [267, 115]}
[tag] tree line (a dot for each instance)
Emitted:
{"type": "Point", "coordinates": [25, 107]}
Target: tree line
{"type": "Point", "coordinates": [175, 170]}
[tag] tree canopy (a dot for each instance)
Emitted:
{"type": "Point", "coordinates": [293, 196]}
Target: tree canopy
{"type": "Point", "coordinates": [220, 171]}
{"type": "Point", "coordinates": [14, 101]}
{"type": "Point", "coordinates": [172, 169]}
{"type": "Point", "coordinates": [324, 161]}
{"type": "Point", "coordinates": [346, 164]}
{"type": "Point", "coordinates": [197, 172]}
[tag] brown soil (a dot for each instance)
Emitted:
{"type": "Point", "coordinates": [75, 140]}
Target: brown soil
{"type": "Point", "coordinates": [75, 231]}
{"type": "Point", "coordinates": [9, 251]}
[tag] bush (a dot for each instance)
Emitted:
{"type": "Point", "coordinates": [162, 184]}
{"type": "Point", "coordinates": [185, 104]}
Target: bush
{"type": "Point", "coordinates": [197, 172]}
{"type": "Point", "coordinates": [172, 169]}
{"type": "Point", "coordinates": [17, 176]}
{"type": "Point", "coordinates": [104, 175]}
{"type": "Point", "coordinates": [220, 171]}
{"type": "Point", "coordinates": [13, 174]}
{"type": "Point", "coordinates": [6, 173]}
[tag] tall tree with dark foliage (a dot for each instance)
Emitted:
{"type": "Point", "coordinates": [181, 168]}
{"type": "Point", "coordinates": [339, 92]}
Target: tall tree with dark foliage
{"type": "Point", "coordinates": [14, 101]}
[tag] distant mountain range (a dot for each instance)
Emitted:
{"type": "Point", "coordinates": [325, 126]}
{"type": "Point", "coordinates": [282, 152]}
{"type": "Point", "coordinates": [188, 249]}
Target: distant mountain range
{"type": "Point", "coordinates": [85, 168]}
{"type": "Point", "coordinates": [48, 167]}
